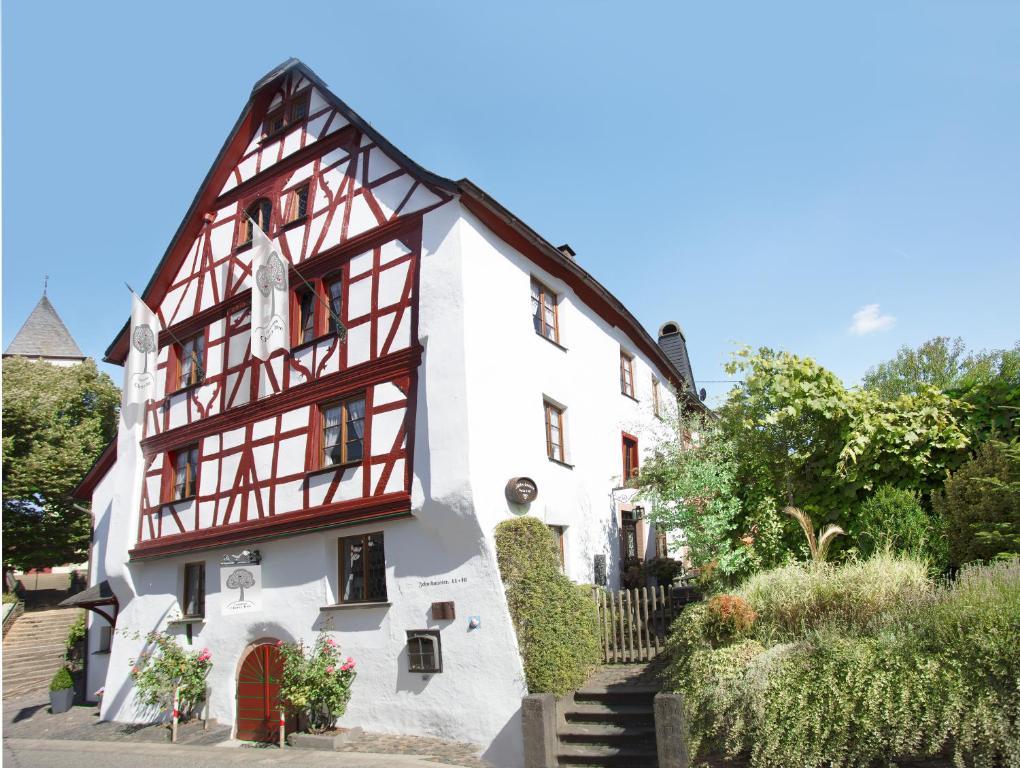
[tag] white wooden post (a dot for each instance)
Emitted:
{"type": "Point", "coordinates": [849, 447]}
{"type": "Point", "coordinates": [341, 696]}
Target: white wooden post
{"type": "Point", "coordinates": [177, 714]}
{"type": "Point", "coordinates": [283, 729]}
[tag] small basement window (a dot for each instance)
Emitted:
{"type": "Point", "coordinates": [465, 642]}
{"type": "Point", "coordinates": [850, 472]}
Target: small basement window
{"type": "Point", "coordinates": [424, 652]}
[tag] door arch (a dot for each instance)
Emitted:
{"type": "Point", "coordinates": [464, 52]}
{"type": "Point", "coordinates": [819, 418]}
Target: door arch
{"type": "Point", "coordinates": [258, 693]}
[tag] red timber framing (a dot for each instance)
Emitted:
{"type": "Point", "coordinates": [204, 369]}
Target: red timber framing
{"type": "Point", "coordinates": [201, 286]}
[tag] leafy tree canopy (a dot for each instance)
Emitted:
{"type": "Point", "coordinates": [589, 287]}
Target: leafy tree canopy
{"type": "Point", "coordinates": [56, 422]}
{"type": "Point", "coordinates": [802, 438]}
{"type": "Point", "coordinates": [792, 434]}
{"type": "Point", "coordinates": [942, 363]}
{"type": "Point", "coordinates": [988, 381]}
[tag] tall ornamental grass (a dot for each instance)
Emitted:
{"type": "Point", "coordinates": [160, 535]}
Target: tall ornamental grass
{"type": "Point", "coordinates": [856, 666]}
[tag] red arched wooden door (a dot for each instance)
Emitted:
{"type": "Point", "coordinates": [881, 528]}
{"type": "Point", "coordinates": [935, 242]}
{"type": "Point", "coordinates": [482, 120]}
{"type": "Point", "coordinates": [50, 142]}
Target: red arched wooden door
{"type": "Point", "coordinates": [258, 694]}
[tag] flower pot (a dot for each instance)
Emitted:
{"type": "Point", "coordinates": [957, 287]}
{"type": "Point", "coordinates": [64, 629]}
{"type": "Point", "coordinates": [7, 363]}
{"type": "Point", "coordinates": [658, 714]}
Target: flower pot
{"type": "Point", "coordinates": [61, 701]}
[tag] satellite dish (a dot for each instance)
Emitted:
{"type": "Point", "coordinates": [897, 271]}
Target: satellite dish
{"type": "Point", "coordinates": [702, 394]}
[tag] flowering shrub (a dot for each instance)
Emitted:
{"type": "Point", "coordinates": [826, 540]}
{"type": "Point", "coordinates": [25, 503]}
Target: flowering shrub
{"type": "Point", "coordinates": [728, 616]}
{"type": "Point", "coordinates": [317, 683]}
{"type": "Point", "coordinates": [164, 666]}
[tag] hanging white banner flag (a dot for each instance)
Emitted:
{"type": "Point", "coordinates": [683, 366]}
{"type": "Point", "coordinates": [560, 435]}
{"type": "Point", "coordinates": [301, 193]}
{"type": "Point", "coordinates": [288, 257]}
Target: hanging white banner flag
{"type": "Point", "coordinates": [270, 306]}
{"type": "Point", "coordinates": [143, 354]}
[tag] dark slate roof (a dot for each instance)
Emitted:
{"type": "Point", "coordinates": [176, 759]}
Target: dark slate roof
{"type": "Point", "coordinates": [675, 346]}
{"type": "Point", "coordinates": [44, 335]}
{"type": "Point", "coordinates": [98, 594]}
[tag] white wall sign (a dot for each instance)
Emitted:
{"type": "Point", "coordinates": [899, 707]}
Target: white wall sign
{"type": "Point", "coordinates": [241, 587]}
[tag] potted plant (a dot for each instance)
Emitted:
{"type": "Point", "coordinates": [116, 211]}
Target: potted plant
{"type": "Point", "coordinates": [61, 691]}
{"type": "Point", "coordinates": [316, 685]}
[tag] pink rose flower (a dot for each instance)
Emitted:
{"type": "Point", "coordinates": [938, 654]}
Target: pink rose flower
{"type": "Point", "coordinates": [279, 643]}
{"type": "Point", "coordinates": [330, 669]}
{"type": "Point", "coordinates": [330, 641]}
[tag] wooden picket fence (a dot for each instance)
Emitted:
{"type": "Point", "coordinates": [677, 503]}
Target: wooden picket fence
{"type": "Point", "coordinates": [633, 622]}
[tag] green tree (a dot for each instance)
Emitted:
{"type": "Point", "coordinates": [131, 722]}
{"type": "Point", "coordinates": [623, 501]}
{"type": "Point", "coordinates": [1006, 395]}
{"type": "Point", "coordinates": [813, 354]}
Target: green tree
{"type": "Point", "coordinates": [56, 422]}
{"type": "Point", "coordinates": [988, 381]}
{"type": "Point", "coordinates": [803, 439]}
{"type": "Point", "coordinates": [981, 505]}
{"type": "Point", "coordinates": [938, 362]}
{"type": "Point", "coordinates": [692, 482]}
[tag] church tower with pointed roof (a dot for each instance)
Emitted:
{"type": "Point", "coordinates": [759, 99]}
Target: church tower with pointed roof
{"type": "Point", "coordinates": [45, 337]}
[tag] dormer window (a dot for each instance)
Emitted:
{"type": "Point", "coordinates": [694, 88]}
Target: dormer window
{"type": "Point", "coordinates": [261, 211]}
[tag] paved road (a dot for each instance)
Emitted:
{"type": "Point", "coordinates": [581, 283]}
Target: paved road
{"type": "Point", "coordinates": [65, 753]}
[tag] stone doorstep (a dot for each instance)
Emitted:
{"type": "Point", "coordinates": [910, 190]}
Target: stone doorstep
{"type": "Point", "coordinates": [330, 742]}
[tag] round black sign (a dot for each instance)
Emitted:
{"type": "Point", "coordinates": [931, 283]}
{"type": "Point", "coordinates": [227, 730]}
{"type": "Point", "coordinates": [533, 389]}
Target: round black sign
{"type": "Point", "coordinates": [521, 490]}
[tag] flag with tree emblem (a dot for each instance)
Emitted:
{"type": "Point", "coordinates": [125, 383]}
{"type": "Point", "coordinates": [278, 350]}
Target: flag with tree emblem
{"type": "Point", "coordinates": [270, 308]}
{"type": "Point", "coordinates": [143, 354]}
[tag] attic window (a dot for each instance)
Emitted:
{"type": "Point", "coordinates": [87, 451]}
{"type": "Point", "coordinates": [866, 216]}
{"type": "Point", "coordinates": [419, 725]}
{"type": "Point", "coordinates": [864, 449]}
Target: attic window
{"type": "Point", "coordinates": [292, 111]}
{"type": "Point", "coordinates": [275, 122]}
{"type": "Point", "coordinates": [298, 109]}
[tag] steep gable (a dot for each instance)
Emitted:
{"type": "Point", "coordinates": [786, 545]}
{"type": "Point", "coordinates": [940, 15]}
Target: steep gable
{"type": "Point", "coordinates": [362, 182]}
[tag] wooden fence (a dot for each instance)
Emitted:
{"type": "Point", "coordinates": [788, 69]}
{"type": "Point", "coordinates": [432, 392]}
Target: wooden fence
{"type": "Point", "coordinates": [633, 623]}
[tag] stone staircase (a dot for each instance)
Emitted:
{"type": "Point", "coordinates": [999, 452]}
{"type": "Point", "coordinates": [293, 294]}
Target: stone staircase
{"type": "Point", "coordinates": [610, 721]}
{"type": "Point", "coordinates": [34, 650]}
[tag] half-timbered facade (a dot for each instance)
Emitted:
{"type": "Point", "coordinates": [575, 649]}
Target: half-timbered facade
{"type": "Point", "coordinates": [369, 471]}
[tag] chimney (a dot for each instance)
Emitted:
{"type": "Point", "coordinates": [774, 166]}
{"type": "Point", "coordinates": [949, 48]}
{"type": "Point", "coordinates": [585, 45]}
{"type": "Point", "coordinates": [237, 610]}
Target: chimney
{"type": "Point", "coordinates": [673, 343]}
{"type": "Point", "coordinates": [567, 251]}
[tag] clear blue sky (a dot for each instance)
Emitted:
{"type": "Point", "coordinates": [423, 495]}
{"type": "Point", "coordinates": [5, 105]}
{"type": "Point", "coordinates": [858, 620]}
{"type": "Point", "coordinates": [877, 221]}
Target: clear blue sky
{"type": "Point", "coordinates": [758, 171]}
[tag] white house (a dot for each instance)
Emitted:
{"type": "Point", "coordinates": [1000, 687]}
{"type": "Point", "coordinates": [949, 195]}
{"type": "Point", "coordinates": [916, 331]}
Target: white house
{"type": "Point", "coordinates": [370, 473]}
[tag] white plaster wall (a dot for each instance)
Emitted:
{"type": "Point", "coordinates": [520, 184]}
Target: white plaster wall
{"type": "Point", "coordinates": [299, 580]}
{"type": "Point", "coordinates": [96, 664]}
{"type": "Point", "coordinates": [441, 554]}
{"type": "Point", "coordinates": [510, 369]}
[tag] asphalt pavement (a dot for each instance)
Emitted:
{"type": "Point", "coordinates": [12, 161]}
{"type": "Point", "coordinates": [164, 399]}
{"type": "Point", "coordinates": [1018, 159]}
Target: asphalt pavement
{"type": "Point", "coordinates": [67, 753]}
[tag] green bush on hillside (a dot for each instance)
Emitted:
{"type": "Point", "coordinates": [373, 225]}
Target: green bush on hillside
{"type": "Point", "coordinates": [555, 619]}
{"type": "Point", "coordinates": [980, 504]}
{"type": "Point", "coordinates": [907, 668]}
{"type": "Point", "coordinates": [893, 519]}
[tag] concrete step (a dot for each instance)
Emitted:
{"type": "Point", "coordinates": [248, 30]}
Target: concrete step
{"type": "Point", "coordinates": [608, 734]}
{"type": "Point", "coordinates": [613, 714]}
{"type": "Point", "coordinates": [627, 695]}
{"type": "Point", "coordinates": [576, 754]}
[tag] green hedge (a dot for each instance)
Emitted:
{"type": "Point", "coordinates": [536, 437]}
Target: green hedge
{"type": "Point", "coordinates": [555, 619]}
{"type": "Point", "coordinates": [907, 669]}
